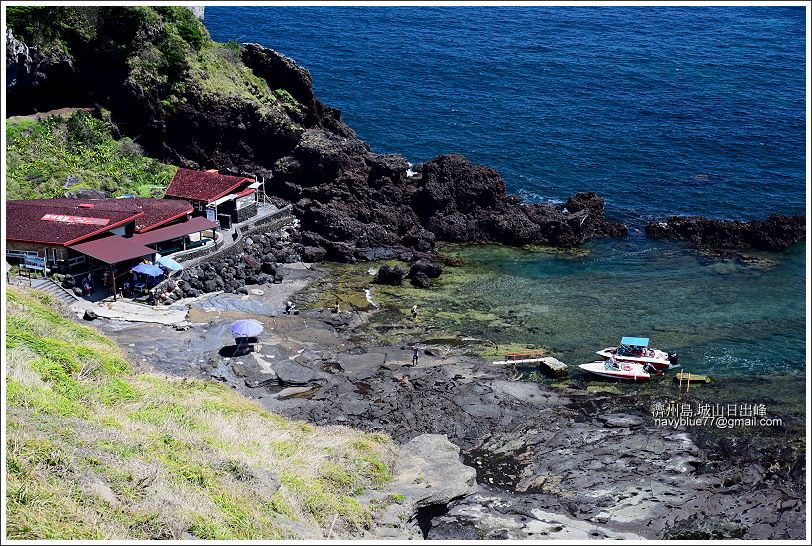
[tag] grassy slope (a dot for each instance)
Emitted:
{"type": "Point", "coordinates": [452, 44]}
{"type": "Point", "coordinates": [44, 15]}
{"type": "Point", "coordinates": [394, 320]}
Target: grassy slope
{"type": "Point", "coordinates": [95, 450]}
{"type": "Point", "coordinates": [180, 60]}
{"type": "Point", "coordinates": [42, 154]}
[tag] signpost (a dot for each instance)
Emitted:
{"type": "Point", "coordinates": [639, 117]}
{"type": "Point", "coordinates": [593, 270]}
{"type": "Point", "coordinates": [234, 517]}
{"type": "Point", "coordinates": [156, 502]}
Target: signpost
{"type": "Point", "coordinates": [34, 262]}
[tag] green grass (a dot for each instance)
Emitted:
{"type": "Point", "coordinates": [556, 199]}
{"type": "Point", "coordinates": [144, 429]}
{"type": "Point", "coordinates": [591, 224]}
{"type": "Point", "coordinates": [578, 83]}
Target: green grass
{"type": "Point", "coordinates": [164, 50]}
{"type": "Point", "coordinates": [175, 456]}
{"type": "Point", "coordinates": [42, 154]}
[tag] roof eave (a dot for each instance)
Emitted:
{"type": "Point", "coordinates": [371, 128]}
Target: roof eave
{"type": "Point", "coordinates": [162, 222]}
{"type": "Point", "coordinates": [82, 238]}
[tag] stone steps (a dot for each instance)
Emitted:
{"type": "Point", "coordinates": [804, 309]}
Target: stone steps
{"type": "Point", "coordinates": [50, 287]}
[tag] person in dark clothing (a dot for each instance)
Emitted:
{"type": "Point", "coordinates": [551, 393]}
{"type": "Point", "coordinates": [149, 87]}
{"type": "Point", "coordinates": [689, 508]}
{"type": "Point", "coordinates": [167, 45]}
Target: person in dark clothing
{"type": "Point", "coordinates": [414, 355]}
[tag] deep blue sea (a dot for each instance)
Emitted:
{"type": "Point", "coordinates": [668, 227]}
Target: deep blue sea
{"type": "Point", "coordinates": [661, 110]}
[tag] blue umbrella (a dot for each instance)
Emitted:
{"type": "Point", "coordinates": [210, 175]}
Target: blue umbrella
{"type": "Point", "coordinates": [246, 328]}
{"type": "Point", "coordinates": [169, 263]}
{"type": "Point", "coordinates": [148, 269]}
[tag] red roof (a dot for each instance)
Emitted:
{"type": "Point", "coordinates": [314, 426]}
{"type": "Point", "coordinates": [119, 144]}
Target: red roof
{"type": "Point", "coordinates": [72, 220]}
{"type": "Point", "coordinates": [246, 191]}
{"type": "Point", "coordinates": [113, 249]}
{"type": "Point", "coordinates": [158, 212]}
{"type": "Point", "coordinates": [193, 225]}
{"type": "Point", "coordinates": [203, 185]}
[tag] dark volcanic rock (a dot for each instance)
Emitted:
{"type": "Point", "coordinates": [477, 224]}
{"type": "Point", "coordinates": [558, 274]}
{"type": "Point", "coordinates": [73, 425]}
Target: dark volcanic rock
{"type": "Point", "coordinates": [69, 281]}
{"type": "Point", "coordinates": [293, 374]}
{"type": "Point", "coordinates": [313, 254]}
{"type": "Point", "coordinates": [282, 72]}
{"type": "Point", "coordinates": [388, 274]}
{"type": "Point", "coordinates": [707, 528]}
{"type": "Point", "coordinates": [32, 76]}
{"type": "Point", "coordinates": [87, 193]}
{"type": "Point", "coordinates": [428, 268]}
{"type": "Point", "coordinates": [775, 233]}
{"type": "Point", "coordinates": [420, 280]}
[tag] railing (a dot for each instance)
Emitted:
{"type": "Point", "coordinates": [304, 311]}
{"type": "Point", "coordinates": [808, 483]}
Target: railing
{"type": "Point", "coordinates": [20, 253]}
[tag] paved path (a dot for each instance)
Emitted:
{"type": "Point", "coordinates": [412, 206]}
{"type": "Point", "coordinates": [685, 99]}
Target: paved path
{"type": "Point", "coordinates": [131, 312]}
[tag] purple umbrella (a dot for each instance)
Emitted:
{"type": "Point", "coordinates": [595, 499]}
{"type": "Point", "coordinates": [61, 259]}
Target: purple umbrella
{"type": "Point", "coordinates": [246, 328]}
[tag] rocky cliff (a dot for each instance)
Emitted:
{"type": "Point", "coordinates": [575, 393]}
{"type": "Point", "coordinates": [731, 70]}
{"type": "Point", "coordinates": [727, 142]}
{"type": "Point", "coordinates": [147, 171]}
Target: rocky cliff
{"type": "Point", "coordinates": [247, 109]}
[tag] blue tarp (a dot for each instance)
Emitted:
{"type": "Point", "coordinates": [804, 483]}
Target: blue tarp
{"type": "Point", "coordinates": [636, 341]}
{"type": "Point", "coordinates": [148, 269]}
{"type": "Point", "coordinates": [169, 263]}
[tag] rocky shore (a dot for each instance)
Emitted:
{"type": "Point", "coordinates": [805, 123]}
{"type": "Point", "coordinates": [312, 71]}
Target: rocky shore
{"type": "Point", "coordinates": [540, 461]}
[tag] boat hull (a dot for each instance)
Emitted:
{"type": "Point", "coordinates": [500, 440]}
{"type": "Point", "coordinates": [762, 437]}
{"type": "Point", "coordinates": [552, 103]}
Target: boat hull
{"type": "Point", "coordinates": [627, 371]}
{"type": "Point", "coordinates": [660, 362]}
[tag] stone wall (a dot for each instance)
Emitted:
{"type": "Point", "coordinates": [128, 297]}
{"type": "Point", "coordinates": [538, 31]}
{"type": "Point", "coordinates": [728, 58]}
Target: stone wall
{"type": "Point", "coordinates": [245, 213]}
{"type": "Point", "coordinates": [39, 248]}
{"type": "Point", "coordinates": [272, 222]}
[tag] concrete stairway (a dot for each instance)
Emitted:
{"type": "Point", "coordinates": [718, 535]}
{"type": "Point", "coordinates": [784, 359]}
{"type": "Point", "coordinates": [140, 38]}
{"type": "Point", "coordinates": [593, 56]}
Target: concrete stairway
{"type": "Point", "coordinates": [50, 287]}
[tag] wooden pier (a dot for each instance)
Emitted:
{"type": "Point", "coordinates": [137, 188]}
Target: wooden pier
{"type": "Point", "coordinates": [549, 364]}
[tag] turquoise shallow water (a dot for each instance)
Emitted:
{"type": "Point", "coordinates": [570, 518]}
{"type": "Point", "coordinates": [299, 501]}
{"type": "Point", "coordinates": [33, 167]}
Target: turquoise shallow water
{"type": "Point", "coordinates": [723, 318]}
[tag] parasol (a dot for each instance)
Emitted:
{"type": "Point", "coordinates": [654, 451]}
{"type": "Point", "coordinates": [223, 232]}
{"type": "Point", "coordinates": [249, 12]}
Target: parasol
{"type": "Point", "coordinates": [246, 328]}
{"type": "Point", "coordinates": [148, 269]}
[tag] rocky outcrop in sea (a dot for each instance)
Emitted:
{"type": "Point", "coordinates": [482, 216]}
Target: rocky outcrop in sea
{"type": "Point", "coordinates": [777, 232]}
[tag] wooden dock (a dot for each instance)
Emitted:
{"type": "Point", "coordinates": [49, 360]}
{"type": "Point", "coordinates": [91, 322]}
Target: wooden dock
{"type": "Point", "coordinates": [691, 377]}
{"type": "Point", "coordinates": [549, 364]}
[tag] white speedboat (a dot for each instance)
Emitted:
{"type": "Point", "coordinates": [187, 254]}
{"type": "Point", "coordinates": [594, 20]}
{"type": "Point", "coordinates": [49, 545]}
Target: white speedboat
{"type": "Point", "coordinates": [617, 370]}
{"type": "Point", "coordinates": [636, 349]}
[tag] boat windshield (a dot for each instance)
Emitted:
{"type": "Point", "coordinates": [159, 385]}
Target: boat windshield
{"type": "Point", "coordinates": [635, 350]}
{"type": "Point", "coordinates": [630, 350]}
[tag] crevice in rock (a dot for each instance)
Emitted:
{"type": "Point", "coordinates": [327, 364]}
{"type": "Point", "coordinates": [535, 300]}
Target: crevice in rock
{"type": "Point", "coordinates": [425, 515]}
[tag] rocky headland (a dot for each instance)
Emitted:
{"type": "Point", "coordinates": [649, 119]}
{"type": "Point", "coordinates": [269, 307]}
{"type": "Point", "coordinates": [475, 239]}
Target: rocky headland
{"type": "Point", "coordinates": [354, 203]}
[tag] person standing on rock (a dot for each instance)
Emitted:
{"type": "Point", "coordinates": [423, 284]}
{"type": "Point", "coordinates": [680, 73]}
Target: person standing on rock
{"type": "Point", "coordinates": [414, 312]}
{"type": "Point", "coordinates": [414, 355]}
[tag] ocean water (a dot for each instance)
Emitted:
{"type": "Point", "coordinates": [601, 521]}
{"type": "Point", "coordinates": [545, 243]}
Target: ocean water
{"type": "Point", "coordinates": [661, 110]}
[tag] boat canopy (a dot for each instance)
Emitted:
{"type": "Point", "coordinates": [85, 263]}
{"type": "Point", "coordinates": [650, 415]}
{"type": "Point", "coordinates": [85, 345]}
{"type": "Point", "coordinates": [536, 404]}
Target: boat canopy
{"type": "Point", "coordinates": [636, 341]}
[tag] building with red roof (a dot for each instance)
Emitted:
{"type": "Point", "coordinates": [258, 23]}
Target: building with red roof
{"type": "Point", "coordinates": [220, 197]}
{"type": "Point", "coordinates": [160, 212]}
{"type": "Point", "coordinates": [63, 234]}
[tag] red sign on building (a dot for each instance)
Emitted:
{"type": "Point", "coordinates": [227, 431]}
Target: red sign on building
{"type": "Point", "coordinates": [76, 219]}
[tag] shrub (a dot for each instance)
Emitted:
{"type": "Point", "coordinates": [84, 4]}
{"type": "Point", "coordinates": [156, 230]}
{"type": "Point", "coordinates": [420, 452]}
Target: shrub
{"type": "Point", "coordinates": [84, 130]}
{"type": "Point", "coordinates": [129, 148]}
